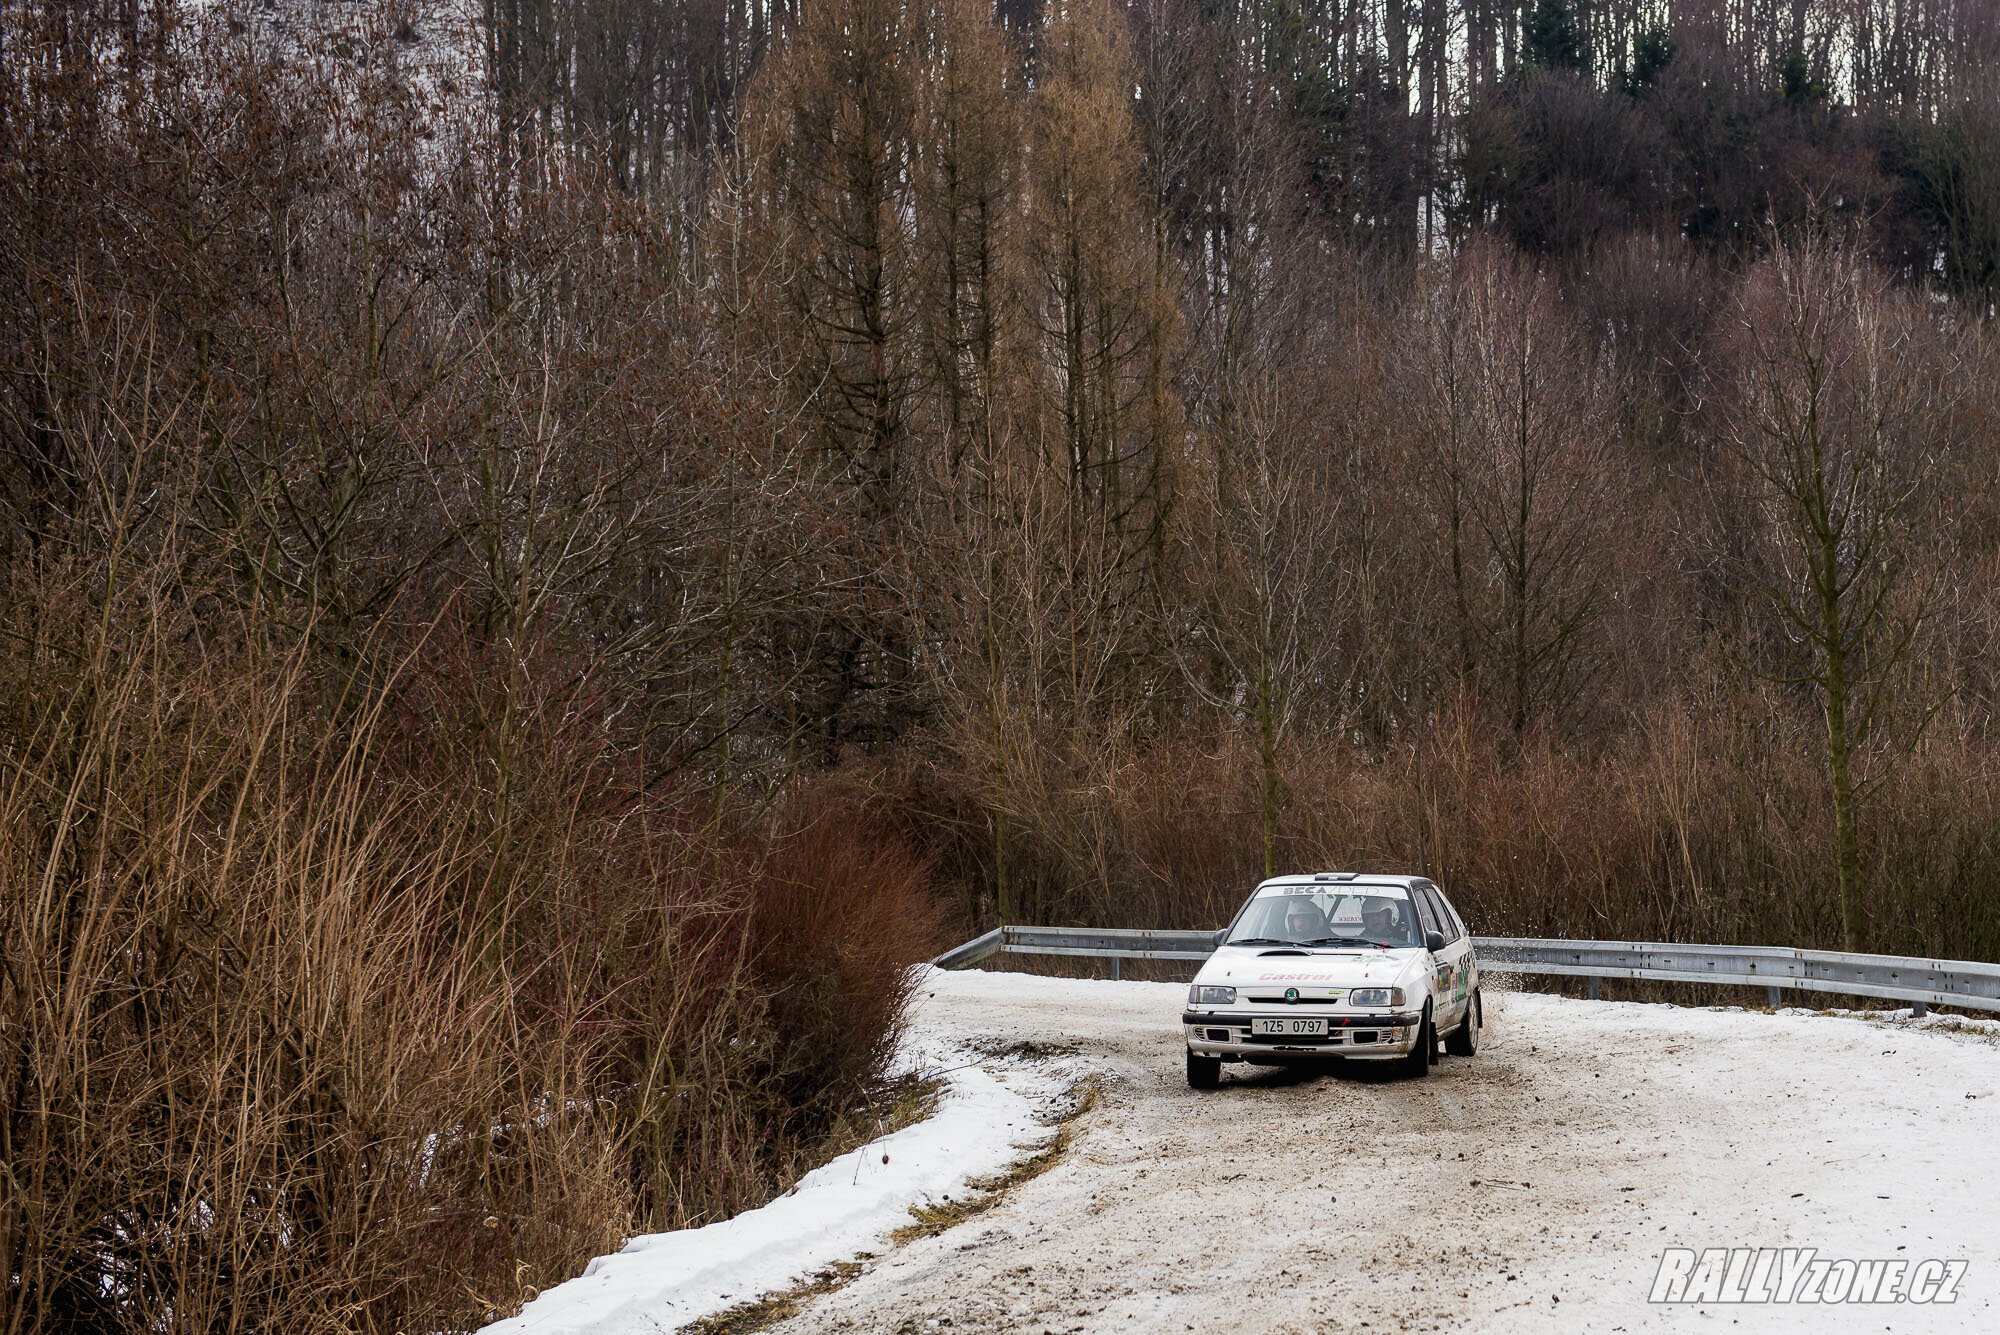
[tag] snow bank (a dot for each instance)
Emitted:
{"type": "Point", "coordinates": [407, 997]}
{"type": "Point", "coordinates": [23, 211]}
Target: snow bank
{"type": "Point", "coordinates": [661, 1281]}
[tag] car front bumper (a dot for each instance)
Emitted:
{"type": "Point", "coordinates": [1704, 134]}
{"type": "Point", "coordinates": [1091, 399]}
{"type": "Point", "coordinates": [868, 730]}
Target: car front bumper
{"type": "Point", "coordinates": [1360, 1037]}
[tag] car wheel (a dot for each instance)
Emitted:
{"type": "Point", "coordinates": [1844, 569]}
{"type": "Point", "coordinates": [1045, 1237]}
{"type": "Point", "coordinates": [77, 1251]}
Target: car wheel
{"type": "Point", "coordinates": [1418, 1063]}
{"type": "Point", "coordinates": [1464, 1040]}
{"type": "Point", "coordinates": [1203, 1072]}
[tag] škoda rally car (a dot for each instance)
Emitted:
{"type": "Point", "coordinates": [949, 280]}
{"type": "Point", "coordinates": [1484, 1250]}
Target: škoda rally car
{"type": "Point", "coordinates": [1336, 965]}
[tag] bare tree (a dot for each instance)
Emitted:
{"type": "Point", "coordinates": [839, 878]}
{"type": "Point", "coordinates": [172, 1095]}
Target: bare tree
{"type": "Point", "coordinates": [1510, 409]}
{"type": "Point", "coordinates": [1103, 315]}
{"type": "Point", "coordinates": [966, 169]}
{"type": "Point", "coordinates": [1030, 644]}
{"type": "Point", "coordinates": [831, 124]}
{"type": "Point", "coordinates": [1266, 634]}
{"type": "Point", "coordinates": [1836, 417]}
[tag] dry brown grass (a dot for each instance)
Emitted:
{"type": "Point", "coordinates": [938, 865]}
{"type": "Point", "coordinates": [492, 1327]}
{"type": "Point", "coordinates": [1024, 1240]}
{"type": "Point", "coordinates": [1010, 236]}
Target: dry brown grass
{"type": "Point", "coordinates": [293, 1037]}
{"type": "Point", "coordinates": [771, 1309]}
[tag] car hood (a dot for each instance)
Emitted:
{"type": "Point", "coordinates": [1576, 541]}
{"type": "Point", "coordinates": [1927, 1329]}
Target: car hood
{"type": "Point", "coordinates": [1308, 970]}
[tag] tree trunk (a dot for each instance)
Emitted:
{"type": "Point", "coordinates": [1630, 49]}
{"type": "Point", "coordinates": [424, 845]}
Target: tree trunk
{"type": "Point", "coordinates": [1267, 746]}
{"type": "Point", "coordinates": [1840, 756]}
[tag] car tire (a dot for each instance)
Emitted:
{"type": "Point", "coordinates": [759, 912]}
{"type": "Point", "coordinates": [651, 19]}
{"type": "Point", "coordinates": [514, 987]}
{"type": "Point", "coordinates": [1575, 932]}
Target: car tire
{"type": "Point", "coordinates": [1203, 1072]}
{"type": "Point", "coordinates": [1464, 1040]}
{"type": "Point", "coordinates": [1417, 1064]}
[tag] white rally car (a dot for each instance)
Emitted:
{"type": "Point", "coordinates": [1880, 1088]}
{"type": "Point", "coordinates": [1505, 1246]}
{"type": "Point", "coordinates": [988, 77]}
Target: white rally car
{"type": "Point", "coordinates": [1335, 965]}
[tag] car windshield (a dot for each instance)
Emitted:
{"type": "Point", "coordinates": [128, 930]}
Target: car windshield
{"type": "Point", "coordinates": [1315, 915]}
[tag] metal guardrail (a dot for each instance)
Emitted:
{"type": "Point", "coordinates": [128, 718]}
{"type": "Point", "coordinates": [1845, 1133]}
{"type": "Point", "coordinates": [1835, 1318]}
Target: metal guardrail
{"type": "Point", "coordinates": [1112, 944]}
{"type": "Point", "coordinates": [1921, 982]}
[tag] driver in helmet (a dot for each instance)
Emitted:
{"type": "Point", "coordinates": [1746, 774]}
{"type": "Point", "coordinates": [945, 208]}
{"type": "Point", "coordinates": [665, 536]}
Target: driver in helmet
{"type": "Point", "coordinates": [1381, 920]}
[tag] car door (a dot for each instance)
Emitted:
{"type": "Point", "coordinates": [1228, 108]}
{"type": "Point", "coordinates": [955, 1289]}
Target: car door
{"type": "Point", "coordinates": [1428, 921]}
{"type": "Point", "coordinates": [1457, 967]}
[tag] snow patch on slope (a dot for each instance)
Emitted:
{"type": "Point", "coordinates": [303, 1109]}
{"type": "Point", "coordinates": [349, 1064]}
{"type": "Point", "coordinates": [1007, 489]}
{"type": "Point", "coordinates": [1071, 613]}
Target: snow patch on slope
{"type": "Point", "coordinates": [985, 1119]}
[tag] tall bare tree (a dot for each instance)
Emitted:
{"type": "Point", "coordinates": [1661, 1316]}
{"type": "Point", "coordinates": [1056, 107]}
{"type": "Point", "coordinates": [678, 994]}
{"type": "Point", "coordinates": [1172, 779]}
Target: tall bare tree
{"type": "Point", "coordinates": [1104, 315]}
{"type": "Point", "coordinates": [831, 122]}
{"type": "Point", "coordinates": [1266, 639]}
{"type": "Point", "coordinates": [1837, 420]}
{"type": "Point", "coordinates": [1520, 480]}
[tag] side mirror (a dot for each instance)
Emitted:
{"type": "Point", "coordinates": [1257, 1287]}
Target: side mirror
{"type": "Point", "coordinates": [1221, 936]}
{"type": "Point", "coordinates": [1434, 942]}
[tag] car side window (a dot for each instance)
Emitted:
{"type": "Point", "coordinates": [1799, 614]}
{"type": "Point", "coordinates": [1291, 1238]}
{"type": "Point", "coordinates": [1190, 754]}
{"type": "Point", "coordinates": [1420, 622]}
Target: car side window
{"type": "Point", "coordinates": [1425, 913]}
{"type": "Point", "coordinates": [1447, 917]}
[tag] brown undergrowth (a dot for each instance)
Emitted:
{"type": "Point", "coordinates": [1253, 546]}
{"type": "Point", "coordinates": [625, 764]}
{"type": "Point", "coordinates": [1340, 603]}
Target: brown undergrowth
{"type": "Point", "coordinates": [300, 1026]}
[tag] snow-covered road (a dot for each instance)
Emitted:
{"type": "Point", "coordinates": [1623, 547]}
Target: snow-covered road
{"type": "Point", "coordinates": [1531, 1188]}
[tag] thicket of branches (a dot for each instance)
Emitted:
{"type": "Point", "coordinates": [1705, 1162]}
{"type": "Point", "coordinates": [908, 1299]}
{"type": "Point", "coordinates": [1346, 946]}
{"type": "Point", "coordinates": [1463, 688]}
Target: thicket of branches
{"type": "Point", "coordinates": [505, 533]}
{"type": "Point", "coordinates": [383, 932]}
{"type": "Point", "coordinates": [1261, 390]}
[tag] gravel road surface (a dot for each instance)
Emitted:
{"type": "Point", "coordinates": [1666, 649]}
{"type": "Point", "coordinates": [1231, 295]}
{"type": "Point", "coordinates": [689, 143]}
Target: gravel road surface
{"type": "Point", "coordinates": [1530, 1188]}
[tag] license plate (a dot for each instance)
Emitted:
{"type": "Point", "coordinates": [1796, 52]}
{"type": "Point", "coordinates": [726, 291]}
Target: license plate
{"type": "Point", "coordinates": [1289, 1027]}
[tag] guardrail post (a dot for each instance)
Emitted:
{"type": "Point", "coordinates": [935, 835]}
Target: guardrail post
{"type": "Point", "coordinates": [1593, 993]}
{"type": "Point", "coordinates": [1116, 974]}
{"type": "Point", "coordinates": [1918, 1010]}
{"type": "Point", "coordinates": [1772, 993]}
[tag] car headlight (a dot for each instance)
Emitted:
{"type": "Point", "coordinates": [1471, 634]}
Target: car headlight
{"type": "Point", "coordinates": [1376, 996]}
{"type": "Point", "coordinates": [1199, 995]}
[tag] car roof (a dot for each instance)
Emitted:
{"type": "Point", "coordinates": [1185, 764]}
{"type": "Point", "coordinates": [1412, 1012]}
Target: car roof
{"type": "Point", "coordinates": [1341, 878]}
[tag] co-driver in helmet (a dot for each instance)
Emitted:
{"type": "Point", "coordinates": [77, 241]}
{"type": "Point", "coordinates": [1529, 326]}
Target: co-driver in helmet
{"type": "Point", "coordinates": [1303, 920]}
